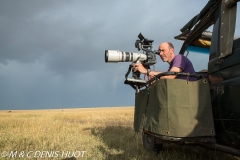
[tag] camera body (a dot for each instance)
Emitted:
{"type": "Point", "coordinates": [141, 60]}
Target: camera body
{"type": "Point", "coordinates": [145, 45]}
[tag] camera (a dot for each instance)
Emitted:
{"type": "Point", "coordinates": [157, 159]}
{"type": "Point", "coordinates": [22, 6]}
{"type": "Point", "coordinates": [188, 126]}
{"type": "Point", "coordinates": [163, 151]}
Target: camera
{"type": "Point", "coordinates": [147, 58]}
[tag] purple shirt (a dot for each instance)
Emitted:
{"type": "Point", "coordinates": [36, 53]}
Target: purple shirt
{"type": "Point", "coordinates": [185, 64]}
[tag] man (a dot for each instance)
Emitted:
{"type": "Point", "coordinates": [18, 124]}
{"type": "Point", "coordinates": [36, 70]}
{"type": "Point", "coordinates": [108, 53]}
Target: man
{"type": "Point", "coordinates": [177, 63]}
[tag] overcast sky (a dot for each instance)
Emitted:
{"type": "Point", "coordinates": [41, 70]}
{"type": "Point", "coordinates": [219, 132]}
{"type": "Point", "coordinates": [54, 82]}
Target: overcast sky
{"type": "Point", "coordinates": [52, 51]}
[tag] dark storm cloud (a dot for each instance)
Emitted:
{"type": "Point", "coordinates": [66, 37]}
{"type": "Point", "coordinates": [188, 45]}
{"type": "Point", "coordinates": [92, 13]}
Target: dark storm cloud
{"type": "Point", "coordinates": [71, 30]}
{"type": "Point", "coordinates": [61, 32]}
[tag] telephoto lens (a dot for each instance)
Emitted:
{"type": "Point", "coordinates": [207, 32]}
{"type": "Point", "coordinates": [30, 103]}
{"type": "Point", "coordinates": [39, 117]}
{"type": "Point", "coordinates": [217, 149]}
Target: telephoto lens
{"type": "Point", "coordinates": [118, 56]}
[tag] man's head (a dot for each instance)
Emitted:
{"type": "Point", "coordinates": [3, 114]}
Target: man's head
{"type": "Point", "coordinates": [166, 50]}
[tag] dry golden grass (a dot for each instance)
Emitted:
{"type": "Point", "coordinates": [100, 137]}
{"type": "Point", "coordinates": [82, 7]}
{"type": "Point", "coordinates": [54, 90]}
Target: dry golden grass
{"type": "Point", "coordinates": [104, 133]}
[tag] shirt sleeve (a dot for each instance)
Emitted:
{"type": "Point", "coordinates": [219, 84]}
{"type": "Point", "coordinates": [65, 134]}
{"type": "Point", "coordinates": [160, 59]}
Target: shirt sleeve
{"type": "Point", "coordinates": [179, 62]}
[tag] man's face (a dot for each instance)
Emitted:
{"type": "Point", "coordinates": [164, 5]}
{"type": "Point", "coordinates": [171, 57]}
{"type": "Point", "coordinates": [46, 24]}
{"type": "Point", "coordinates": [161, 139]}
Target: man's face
{"type": "Point", "coordinates": [165, 52]}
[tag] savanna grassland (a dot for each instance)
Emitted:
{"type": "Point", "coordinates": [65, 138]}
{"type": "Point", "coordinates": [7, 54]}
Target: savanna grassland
{"type": "Point", "coordinates": [92, 134]}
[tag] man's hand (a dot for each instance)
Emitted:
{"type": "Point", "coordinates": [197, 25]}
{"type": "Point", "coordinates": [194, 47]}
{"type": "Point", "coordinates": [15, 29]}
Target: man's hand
{"type": "Point", "coordinates": [139, 67]}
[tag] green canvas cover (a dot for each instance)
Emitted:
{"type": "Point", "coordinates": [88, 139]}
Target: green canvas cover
{"type": "Point", "coordinates": [141, 100]}
{"type": "Point", "coordinates": [176, 108]}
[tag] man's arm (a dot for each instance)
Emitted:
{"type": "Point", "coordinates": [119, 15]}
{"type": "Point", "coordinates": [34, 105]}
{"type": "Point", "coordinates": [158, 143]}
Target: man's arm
{"type": "Point", "coordinates": [173, 69]}
{"type": "Point", "coordinates": [143, 70]}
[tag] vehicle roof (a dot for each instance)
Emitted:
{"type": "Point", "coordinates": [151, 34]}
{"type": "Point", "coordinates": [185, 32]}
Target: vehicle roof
{"type": "Point", "coordinates": [194, 32]}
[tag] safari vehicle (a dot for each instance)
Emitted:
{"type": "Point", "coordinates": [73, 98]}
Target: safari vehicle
{"type": "Point", "coordinates": [205, 112]}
